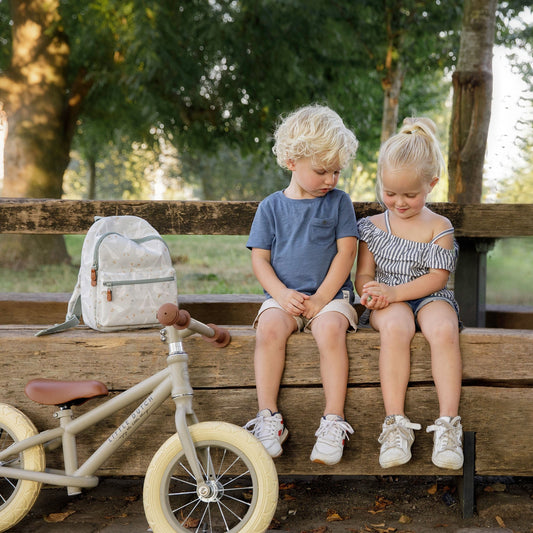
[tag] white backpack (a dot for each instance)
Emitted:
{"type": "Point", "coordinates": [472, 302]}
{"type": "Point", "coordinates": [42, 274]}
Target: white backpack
{"type": "Point", "coordinates": [125, 275]}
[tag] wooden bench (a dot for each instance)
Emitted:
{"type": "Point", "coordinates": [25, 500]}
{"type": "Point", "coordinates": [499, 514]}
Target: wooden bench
{"type": "Point", "coordinates": [497, 381]}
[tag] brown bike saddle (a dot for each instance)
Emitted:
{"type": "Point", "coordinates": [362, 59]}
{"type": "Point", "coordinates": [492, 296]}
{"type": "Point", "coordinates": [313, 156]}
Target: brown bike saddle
{"type": "Point", "coordinates": [54, 392]}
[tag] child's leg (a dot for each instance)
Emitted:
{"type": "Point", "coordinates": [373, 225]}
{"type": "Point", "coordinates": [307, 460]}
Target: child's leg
{"type": "Point", "coordinates": [329, 331]}
{"type": "Point", "coordinates": [273, 329]}
{"type": "Point", "coordinates": [438, 322]}
{"type": "Point", "coordinates": [396, 327]}
{"type": "Point", "coordinates": [439, 325]}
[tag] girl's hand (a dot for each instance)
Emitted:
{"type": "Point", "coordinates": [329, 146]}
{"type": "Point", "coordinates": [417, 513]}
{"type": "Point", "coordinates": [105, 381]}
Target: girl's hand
{"type": "Point", "coordinates": [373, 302]}
{"type": "Point", "coordinates": [377, 295]}
{"type": "Point", "coordinates": [293, 301]}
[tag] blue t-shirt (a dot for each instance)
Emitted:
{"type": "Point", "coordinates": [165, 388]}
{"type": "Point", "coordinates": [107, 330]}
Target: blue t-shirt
{"type": "Point", "coordinates": [302, 237]}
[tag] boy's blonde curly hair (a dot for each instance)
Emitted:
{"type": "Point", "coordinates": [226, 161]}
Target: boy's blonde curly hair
{"type": "Point", "coordinates": [317, 132]}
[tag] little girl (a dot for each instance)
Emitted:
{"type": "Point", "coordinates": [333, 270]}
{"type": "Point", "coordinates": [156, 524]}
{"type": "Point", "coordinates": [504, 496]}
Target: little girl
{"type": "Point", "coordinates": [405, 258]}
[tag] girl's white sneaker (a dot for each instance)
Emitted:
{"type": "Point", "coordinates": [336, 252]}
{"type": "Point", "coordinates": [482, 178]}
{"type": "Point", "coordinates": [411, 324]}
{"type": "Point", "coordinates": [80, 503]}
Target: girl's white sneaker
{"type": "Point", "coordinates": [447, 442]}
{"type": "Point", "coordinates": [397, 437]}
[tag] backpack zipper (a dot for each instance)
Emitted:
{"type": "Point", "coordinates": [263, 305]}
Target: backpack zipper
{"type": "Point", "coordinates": [111, 284]}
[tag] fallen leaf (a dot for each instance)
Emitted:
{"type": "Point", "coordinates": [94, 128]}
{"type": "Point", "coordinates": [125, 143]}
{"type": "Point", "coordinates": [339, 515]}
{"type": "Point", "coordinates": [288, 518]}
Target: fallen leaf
{"type": "Point", "coordinates": [189, 523]}
{"type": "Point", "coordinates": [333, 516]}
{"type": "Point", "coordinates": [321, 529]}
{"type": "Point", "coordinates": [500, 521]}
{"type": "Point", "coordinates": [499, 487]}
{"type": "Point", "coordinates": [131, 498]}
{"type": "Point", "coordinates": [404, 519]}
{"type": "Point", "coordinates": [53, 518]}
{"type": "Point", "coordinates": [380, 505]}
{"type": "Point", "coordinates": [286, 486]}
{"type": "Point", "coordinates": [432, 489]}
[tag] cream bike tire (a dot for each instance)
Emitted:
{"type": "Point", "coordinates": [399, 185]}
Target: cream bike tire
{"type": "Point", "coordinates": [240, 474]}
{"type": "Point", "coordinates": [17, 496]}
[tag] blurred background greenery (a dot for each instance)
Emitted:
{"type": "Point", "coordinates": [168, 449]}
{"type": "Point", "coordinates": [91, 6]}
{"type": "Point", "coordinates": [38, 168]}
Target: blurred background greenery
{"type": "Point", "coordinates": [208, 264]}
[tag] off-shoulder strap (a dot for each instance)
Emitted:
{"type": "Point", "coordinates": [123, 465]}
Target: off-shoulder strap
{"type": "Point", "coordinates": [441, 234]}
{"type": "Point", "coordinates": [387, 222]}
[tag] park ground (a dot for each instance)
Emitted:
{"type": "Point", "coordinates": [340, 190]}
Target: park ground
{"type": "Point", "coordinates": [324, 504]}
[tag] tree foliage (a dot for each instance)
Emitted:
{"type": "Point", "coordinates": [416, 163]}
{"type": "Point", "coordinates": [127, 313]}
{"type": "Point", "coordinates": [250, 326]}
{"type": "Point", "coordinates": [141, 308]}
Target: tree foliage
{"type": "Point", "coordinates": [213, 76]}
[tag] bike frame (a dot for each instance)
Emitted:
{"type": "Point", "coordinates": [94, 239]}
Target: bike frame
{"type": "Point", "coordinates": [172, 381]}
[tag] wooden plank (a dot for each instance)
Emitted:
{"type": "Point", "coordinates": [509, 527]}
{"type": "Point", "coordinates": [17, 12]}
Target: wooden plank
{"type": "Point", "coordinates": [48, 216]}
{"type": "Point", "coordinates": [496, 397]}
{"type": "Point", "coordinates": [502, 441]}
{"type": "Point", "coordinates": [509, 316]}
{"type": "Point", "coordinates": [235, 309]}
{"type": "Point", "coordinates": [51, 308]}
{"type": "Point", "coordinates": [489, 357]}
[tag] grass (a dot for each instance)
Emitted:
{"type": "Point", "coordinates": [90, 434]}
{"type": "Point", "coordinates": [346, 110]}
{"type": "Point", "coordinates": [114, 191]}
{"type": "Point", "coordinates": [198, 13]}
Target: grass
{"type": "Point", "coordinates": [509, 272]}
{"type": "Point", "coordinates": [204, 265]}
{"type": "Point", "coordinates": [221, 265]}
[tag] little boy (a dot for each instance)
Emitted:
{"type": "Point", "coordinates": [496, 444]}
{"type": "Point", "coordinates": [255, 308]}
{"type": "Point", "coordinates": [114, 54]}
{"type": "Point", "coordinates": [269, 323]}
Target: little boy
{"type": "Point", "coordinates": [303, 241]}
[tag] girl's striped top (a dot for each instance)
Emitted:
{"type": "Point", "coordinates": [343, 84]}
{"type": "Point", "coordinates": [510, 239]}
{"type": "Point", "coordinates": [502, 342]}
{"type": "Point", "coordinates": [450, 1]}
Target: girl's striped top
{"type": "Point", "coordinates": [400, 260]}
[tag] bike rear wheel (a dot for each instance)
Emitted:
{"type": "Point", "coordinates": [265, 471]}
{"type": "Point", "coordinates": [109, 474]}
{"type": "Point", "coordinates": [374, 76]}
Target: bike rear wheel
{"type": "Point", "coordinates": [17, 496]}
{"type": "Point", "coordinates": [240, 489]}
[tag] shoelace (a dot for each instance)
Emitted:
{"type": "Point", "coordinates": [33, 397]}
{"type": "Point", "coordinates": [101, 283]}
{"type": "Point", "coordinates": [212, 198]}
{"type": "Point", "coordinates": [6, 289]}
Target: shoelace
{"type": "Point", "coordinates": [392, 435]}
{"type": "Point", "coordinates": [334, 430]}
{"type": "Point", "coordinates": [448, 435]}
{"type": "Point", "coordinates": [264, 427]}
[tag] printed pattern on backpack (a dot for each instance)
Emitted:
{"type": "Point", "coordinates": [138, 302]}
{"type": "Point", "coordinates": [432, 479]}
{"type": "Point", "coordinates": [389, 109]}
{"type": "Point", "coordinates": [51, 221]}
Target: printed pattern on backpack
{"type": "Point", "coordinates": [125, 275]}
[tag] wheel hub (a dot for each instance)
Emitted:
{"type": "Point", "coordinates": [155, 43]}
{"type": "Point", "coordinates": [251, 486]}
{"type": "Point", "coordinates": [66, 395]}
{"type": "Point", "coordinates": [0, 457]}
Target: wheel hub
{"type": "Point", "coordinates": [210, 491]}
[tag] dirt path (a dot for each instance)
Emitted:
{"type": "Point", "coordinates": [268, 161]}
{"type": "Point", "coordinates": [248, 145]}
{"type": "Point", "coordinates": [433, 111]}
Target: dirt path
{"type": "Point", "coordinates": [312, 505]}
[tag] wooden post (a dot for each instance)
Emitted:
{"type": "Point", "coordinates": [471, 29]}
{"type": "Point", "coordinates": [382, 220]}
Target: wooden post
{"type": "Point", "coordinates": [471, 280]}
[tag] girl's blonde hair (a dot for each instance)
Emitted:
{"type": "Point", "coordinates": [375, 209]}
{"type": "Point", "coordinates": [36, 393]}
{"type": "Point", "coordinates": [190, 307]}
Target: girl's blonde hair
{"type": "Point", "coordinates": [317, 132]}
{"type": "Point", "coordinates": [416, 146]}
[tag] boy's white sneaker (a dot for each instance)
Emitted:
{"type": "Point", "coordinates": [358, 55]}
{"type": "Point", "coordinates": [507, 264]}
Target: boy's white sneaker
{"type": "Point", "coordinates": [447, 442]}
{"type": "Point", "coordinates": [269, 429]}
{"type": "Point", "coordinates": [331, 436]}
{"type": "Point", "coordinates": [396, 439]}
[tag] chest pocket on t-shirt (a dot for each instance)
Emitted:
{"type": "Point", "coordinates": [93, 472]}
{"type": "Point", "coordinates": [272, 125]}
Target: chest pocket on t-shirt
{"type": "Point", "coordinates": [322, 230]}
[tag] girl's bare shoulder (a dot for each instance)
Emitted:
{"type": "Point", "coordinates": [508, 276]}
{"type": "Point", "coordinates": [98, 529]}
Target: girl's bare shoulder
{"type": "Point", "coordinates": [438, 222]}
{"type": "Point", "coordinates": [378, 220]}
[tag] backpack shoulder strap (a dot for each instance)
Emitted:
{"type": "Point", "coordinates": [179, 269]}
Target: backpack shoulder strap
{"type": "Point", "coordinates": [73, 314]}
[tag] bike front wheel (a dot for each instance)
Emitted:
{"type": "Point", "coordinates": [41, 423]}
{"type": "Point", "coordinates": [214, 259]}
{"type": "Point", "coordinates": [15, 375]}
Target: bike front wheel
{"type": "Point", "coordinates": [239, 492]}
{"type": "Point", "coordinates": [17, 496]}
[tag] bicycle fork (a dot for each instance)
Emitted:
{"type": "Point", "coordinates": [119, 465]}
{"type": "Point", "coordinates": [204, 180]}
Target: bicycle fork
{"type": "Point", "coordinates": [182, 394]}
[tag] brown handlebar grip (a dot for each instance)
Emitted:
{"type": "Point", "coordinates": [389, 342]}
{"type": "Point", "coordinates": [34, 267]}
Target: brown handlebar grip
{"type": "Point", "coordinates": [172, 315]}
{"type": "Point", "coordinates": [221, 338]}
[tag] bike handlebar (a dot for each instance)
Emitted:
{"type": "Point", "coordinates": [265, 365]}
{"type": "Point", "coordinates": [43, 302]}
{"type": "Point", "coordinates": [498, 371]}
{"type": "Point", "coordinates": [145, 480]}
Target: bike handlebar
{"type": "Point", "coordinates": [171, 315]}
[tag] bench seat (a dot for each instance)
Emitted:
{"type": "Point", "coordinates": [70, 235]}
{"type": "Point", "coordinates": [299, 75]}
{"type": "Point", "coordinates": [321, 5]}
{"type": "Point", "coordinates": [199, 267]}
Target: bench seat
{"type": "Point", "coordinates": [496, 398]}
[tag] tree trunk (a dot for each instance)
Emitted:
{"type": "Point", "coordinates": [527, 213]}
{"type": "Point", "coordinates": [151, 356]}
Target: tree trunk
{"type": "Point", "coordinates": [392, 87]}
{"type": "Point", "coordinates": [392, 82]}
{"type": "Point", "coordinates": [472, 95]}
{"type": "Point", "coordinates": [34, 91]}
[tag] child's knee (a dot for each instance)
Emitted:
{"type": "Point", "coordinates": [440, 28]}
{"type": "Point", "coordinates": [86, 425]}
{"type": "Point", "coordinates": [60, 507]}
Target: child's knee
{"type": "Point", "coordinates": [269, 329]}
{"type": "Point", "coordinates": [397, 330]}
{"type": "Point", "coordinates": [447, 332]}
